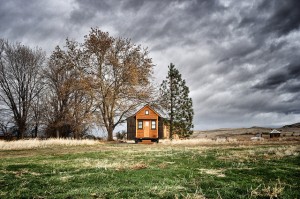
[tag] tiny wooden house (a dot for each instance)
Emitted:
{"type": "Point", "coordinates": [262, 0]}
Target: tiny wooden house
{"type": "Point", "coordinates": [146, 124]}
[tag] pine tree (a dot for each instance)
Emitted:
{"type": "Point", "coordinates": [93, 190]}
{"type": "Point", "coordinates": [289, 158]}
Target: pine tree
{"type": "Point", "coordinates": [175, 100]}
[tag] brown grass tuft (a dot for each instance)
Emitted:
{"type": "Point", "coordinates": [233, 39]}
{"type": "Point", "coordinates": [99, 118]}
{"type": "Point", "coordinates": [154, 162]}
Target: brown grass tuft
{"type": "Point", "coordinates": [216, 172]}
{"type": "Point", "coordinates": [270, 191]}
{"type": "Point", "coordinates": [163, 165]}
{"type": "Point", "coordinates": [139, 166]}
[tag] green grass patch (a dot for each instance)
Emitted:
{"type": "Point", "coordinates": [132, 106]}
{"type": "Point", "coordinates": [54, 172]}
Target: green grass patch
{"type": "Point", "coordinates": [151, 171]}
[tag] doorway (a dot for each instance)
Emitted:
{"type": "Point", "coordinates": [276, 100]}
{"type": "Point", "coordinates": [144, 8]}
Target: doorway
{"type": "Point", "coordinates": [146, 128]}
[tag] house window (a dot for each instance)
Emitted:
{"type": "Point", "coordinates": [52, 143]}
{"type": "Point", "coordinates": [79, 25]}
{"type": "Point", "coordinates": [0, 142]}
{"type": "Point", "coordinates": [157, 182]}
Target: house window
{"type": "Point", "coordinates": [153, 124]}
{"type": "Point", "coordinates": [147, 112]}
{"type": "Point", "coordinates": [140, 124]}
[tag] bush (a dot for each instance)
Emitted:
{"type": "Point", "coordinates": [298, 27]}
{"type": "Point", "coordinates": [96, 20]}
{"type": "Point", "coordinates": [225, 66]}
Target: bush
{"type": "Point", "coordinates": [121, 135]}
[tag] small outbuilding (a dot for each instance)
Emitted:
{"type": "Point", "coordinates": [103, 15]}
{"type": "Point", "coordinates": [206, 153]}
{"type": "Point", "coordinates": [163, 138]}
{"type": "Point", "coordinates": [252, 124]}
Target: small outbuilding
{"type": "Point", "coordinates": [275, 134]}
{"type": "Point", "coordinates": [146, 124]}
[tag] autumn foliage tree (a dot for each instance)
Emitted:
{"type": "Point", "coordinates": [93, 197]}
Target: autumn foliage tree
{"type": "Point", "coordinates": [69, 99]}
{"type": "Point", "coordinates": [100, 81]}
{"type": "Point", "coordinates": [120, 72]}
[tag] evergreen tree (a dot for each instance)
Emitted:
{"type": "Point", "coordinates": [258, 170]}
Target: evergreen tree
{"type": "Point", "coordinates": [175, 100]}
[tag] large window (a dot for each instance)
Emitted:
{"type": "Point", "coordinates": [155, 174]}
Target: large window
{"type": "Point", "coordinates": [153, 124]}
{"type": "Point", "coordinates": [140, 124]}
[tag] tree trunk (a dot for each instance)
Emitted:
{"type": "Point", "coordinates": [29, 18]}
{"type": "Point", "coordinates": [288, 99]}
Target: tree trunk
{"type": "Point", "coordinates": [35, 131]}
{"type": "Point", "coordinates": [110, 133]}
{"type": "Point", "coordinates": [57, 133]}
{"type": "Point", "coordinates": [22, 130]}
{"type": "Point", "coordinates": [76, 134]}
{"type": "Point", "coordinates": [171, 116]}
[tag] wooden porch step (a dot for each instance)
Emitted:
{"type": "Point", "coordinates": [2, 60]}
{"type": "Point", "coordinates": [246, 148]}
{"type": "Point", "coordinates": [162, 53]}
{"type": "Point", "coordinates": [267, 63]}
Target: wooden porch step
{"type": "Point", "coordinates": [146, 142]}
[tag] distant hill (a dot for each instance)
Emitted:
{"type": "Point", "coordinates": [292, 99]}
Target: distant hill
{"type": "Point", "coordinates": [258, 127]}
{"type": "Point", "coordinates": [296, 125]}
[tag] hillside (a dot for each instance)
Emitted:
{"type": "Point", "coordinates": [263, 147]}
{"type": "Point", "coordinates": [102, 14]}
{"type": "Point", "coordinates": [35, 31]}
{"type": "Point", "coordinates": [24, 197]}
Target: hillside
{"type": "Point", "coordinates": [247, 133]}
{"type": "Point", "coordinates": [296, 125]}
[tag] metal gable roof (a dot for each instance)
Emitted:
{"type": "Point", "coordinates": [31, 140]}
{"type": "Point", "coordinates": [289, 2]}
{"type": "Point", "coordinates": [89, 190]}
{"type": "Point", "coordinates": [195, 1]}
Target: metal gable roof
{"type": "Point", "coordinates": [274, 131]}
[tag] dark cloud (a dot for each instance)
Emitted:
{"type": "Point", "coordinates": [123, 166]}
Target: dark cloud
{"type": "Point", "coordinates": [273, 17]}
{"type": "Point", "coordinates": [294, 70]}
{"type": "Point", "coordinates": [198, 9]}
{"type": "Point", "coordinates": [134, 5]}
{"type": "Point", "coordinates": [277, 46]}
{"type": "Point", "coordinates": [285, 17]}
{"type": "Point", "coordinates": [239, 58]}
{"type": "Point", "coordinates": [292, 87]}
{"type": "Point", "coordinates": [283, 76]}
{"type": "Point", "coordinates": [240, 49]}
{"type": "Point", "coordinates": [88, 9]}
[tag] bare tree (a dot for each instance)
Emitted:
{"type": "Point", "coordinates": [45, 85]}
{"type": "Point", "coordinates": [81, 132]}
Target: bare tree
{"type": "Point", "coordinates": [36, 114]}
{"type": "Point", "coordinates": [120, 72]}
{"type": "Point", "coordinates": [19, 79]}
{"type": "Point", "coordinates": [5, 124]}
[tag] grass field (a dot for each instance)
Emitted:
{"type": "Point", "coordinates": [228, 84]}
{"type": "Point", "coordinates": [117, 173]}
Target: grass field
{"type": "Point", "coordinates": [165, 170]}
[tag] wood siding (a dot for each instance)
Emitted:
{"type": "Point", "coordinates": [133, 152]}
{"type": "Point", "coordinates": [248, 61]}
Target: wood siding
{"type": "Point", "coordinates": [131, 128]}
{"type": "Point", "coordinates": [146, 115]}
{"type": "Point", "coordinates": [161, 128]}
{"type": "Point", "coordinates": [141, 114]}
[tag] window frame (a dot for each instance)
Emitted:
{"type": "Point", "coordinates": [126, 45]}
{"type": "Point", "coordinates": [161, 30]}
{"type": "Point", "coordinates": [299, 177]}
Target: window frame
{"type": "Point", "coordinates": [140, 122]}
{"type": "Point", "coordinates": [152, 124]}
{"type": "Point", "coordinates": [146, 112]}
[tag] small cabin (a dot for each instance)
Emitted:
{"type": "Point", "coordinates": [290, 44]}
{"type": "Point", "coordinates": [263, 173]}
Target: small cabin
{"type": "Point", "coordinates": [146, 124]}
{"type": "Point", "coordinates": [275, 134]}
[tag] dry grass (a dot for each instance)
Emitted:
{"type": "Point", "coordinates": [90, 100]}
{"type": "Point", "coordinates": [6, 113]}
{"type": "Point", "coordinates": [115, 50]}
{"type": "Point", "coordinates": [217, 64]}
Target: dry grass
{"type": "Point", "coordinates": [271, 191]}
{"type": "Point", "coordinates": [139, 166]}
{"type": "Point", "coordinates": [191, 196]}
{"type": "Point", "coordinates": [117, 164]}
{"type": "Point", "coordinates": [102, 163]}
{"type": "Point", "coordinates": [252, 153]}
{"type": "Point", "coordinates": [35, 143]}
{"type": "Point", "coordinates": [197, 141]}
{"type": "Point", "coordinates": [215, 172]}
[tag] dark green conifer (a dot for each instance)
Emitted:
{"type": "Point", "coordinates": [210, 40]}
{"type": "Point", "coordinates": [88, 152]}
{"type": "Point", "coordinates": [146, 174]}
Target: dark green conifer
{"type": "Point", "coordinates": [175, 100]}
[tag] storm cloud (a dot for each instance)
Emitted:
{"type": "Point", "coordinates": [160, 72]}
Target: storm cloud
{"type": "Point", "coordinates": [239, 58]}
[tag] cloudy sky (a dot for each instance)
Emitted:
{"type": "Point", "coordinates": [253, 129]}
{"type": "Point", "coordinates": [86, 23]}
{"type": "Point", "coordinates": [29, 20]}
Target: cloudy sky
{"type": "Point", "coordinates": [241, 59]}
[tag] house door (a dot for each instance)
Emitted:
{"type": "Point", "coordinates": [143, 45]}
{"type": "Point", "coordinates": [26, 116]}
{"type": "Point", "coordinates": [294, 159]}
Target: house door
{"type": "Point", "coordinates": [146, 128]}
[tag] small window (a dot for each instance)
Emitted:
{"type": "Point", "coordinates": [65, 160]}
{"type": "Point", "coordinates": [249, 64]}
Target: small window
{"type": "Point", "coordinates": [147, 112]}
{"type": "Point", "coordinates": [153, 124]}
{"type": "Point", "coordinates": [140, 124]}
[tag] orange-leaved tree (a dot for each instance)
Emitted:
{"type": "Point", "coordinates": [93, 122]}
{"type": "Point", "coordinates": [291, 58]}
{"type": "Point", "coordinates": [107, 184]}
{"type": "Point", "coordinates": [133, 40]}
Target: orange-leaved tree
{"type": "Point", "coordinates": [121, 77]}
{"type": "Point", "coordinates": [69, 98]}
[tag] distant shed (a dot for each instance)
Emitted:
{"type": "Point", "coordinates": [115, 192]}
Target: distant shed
{"type": "Point", "coordinates": [275, 134]}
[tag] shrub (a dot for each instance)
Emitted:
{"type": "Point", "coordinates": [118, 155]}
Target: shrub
{"type": "Point", "coordinates": [121, 135]}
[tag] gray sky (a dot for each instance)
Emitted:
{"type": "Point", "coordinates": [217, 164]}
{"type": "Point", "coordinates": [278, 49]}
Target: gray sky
{"type": "Point", "coordinates": [241, 59]}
